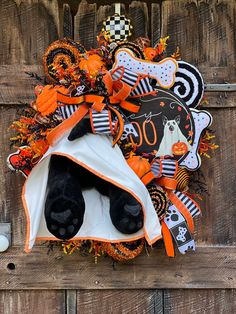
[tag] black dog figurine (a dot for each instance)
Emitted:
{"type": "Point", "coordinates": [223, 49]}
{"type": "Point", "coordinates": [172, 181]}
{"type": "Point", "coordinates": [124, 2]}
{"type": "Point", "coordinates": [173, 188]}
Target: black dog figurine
{"type": "Point", "coordinates": [65, 205]}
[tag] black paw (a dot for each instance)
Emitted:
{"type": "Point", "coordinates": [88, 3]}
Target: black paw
{"type": "Point", "coordinates": [126, 212]}
{"type": "Point", "coordinates": [80, 129]}
{"type": "Point", "coordinates": [64, 207]}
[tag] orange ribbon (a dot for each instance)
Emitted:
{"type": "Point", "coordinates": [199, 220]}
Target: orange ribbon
{"type": "Point", "coordinates": [118, 92]}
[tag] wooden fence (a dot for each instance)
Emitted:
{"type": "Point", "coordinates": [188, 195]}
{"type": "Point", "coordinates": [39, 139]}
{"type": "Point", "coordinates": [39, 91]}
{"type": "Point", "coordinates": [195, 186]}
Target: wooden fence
{"type": "Point", "coordinates": [201, 282]}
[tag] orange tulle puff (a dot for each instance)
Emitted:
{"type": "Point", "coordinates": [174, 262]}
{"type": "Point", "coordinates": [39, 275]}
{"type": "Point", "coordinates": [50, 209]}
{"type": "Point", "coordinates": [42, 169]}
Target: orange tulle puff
{"type": "Point", "coordinates": [46, 102]}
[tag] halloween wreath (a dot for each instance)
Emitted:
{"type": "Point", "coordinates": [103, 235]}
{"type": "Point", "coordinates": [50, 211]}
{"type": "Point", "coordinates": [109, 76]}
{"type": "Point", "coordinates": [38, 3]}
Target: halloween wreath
{"type": "Point", "coordinates": [110, 145]}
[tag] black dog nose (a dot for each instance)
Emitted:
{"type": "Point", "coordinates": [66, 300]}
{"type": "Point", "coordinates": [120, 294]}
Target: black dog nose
{"type": "Point", "coordinates": [171, 128]}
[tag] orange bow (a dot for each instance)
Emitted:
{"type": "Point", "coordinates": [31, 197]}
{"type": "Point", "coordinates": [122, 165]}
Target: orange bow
{"type": "Point", "coordinates": [118, 92]}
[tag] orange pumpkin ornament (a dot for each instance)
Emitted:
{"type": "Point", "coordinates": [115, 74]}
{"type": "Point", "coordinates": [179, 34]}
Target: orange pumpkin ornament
{"type": "Point", "coordinates": [91, 64]}
{"type": "Point", "coordinates": [150, 53]}
{"type": "Point", "coordinates": [179, 148]}
{"type": "Point", "coordinates": [142, 168]}
{"type": "Point", "coordinates": [46, 102]}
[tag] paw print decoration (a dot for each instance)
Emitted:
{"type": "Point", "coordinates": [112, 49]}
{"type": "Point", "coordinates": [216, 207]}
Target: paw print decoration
{"type": "Point", "coordinates": [173, 217]}
{"type": "Point", "coordinates": [179, 230]}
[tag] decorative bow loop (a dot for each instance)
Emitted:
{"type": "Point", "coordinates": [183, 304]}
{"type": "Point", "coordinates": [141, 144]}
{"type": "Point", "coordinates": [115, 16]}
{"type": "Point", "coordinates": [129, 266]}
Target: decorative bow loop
{"type": "Point", "coordinates": [165, 171]}
{"type": "Point", "coordinates": [118, 92]}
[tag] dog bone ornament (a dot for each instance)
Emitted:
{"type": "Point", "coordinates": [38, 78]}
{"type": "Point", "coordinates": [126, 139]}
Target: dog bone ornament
{"type": "Point", "coordinates": [202, 120]}
{"type": "Point", "coordinates": [163, 72]}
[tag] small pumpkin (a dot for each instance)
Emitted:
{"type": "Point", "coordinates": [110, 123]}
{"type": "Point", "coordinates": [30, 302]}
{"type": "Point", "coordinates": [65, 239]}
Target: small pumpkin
{"type": "Point", "coordinates": [179, 148]}
{"type": "Point", "coordinates": [91, 64]}
{"type": "Point", "coordinates": [142, 168]}
{"type": "Point", "coordinates": [122, 252]}
{"type": "Point", "coordinates": [46, 102]}
{"type": "Point", "coordinates": [150, 53]}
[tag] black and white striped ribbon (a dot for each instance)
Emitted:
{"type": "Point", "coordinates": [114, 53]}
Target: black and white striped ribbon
{"type": "Point", "coordinates": [101, 121]}
{"type": "Point", "coordinates": [67, 110]}
{"type": "Point", "coordinates": [165, 167]}
{"type": "Point", "coordinates": [131, 78]}
{"type": "Point", "coordinates": [191, 206]}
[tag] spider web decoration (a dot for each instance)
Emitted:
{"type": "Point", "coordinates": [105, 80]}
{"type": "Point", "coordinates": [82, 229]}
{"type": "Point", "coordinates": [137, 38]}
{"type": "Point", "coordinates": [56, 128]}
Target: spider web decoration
{"type": "Point", "coordinates": [117, 27]}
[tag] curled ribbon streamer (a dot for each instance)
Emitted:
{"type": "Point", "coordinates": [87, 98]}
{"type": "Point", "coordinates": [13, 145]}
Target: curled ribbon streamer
{"type": "Point", "coordinates": [165, 171]}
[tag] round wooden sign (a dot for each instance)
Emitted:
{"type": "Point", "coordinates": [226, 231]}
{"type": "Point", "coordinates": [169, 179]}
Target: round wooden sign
{"type": "Point", "coordinates": [164, 124]}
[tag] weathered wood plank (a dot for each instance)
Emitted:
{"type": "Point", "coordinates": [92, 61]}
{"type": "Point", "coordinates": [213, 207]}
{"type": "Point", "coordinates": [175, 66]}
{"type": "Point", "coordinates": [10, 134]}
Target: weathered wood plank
{"type": "Point", "coordinates": [210, 267]}
{"type": "Point", "coordinates": [155, 23]}
{"type": "Point", "coordinates": [199, 301]}
{"type": "Point", "coordinates": [67, 23]}
{"type": "Point", "coordinates": [218, 221]}
{"type": "Point", "coordinates": [205, 33]}
{"type": "Point", "coordinates": [71, 301]}
{"type": "Point", "coordinates": [102, 14]}
{"type": "Point", "coordinates": [27, 28]}
{"type": "Point", "coordinates": [138, 12]}
{"type": "Point", "coordinates": [220, 100]}
{"type": "Point", "coordinates": [16, 87]}
{"type": "Point", "coordinates": [25, 302]}
{"type": "Point", "coordinates": [11, 184]}
{"type": "Point", "coordinates": [85, 24]}
{"type": "Point", "coordinates": [120, 301]}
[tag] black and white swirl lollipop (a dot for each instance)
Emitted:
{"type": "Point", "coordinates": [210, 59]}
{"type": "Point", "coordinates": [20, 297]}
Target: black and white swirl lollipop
{"type": "Point", "coordinates": [188, 84]}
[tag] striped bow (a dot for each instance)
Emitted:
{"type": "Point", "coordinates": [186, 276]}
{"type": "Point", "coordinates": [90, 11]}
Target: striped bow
{"type": "Point", "coordinates": [165, 171]}
{"type": "Point", "coordinates": [140, 84]}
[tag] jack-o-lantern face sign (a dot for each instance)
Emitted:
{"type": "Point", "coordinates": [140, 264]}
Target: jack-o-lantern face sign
{"type": "Point", "coordinates": [179, 148]}
{"type": "Point", "coordinates": [164, 124]}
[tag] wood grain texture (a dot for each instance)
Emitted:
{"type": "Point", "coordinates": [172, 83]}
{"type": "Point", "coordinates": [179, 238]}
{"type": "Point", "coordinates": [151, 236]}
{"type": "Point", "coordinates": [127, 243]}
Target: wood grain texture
{"type": "Point", "coordinates": [11, 183]}
{"type": "Point", "coordinates": [102, 14]}
{"type": "Point", "coordinates": [71, 301]}
{"type": "Point", "coordinates": [199, 301]}
{"type": "Point", "coordinates": [205, 33]}
{"type": "Point", "coordinates": [16, 86]}
{"type": "Point", "coordinates": [85, 24]}
{"type": "Point", "coordinates": [138, 12]}
{"type": "Point", "coordinates": [218, 222]}
{"type": "Point", "coordinates": [120, 301]}
{"type": "Point", "coordinates": [155, 23]}
{"type": "Point", "coordinates": [67, 21]}
{"type": "Point", "coordinates": [209, 267]}
{"type": "Point", "coordinates": [27, 28]}
{"type": "Point", "coordinates": [27, 302]}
